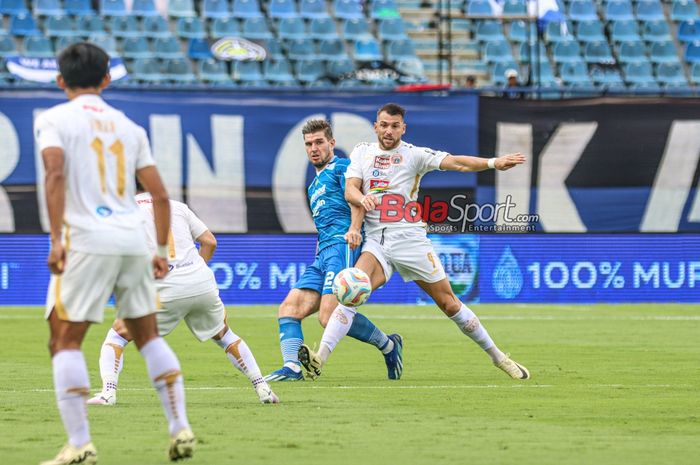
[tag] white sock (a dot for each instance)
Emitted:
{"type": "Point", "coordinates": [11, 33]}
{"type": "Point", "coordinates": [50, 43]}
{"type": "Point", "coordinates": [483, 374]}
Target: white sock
{"type": "Point", "coordinates": [240, 356]}
{"type": "Point", "coordinates": [470, 325]}
{"type": "Point", "coordinates": [72, 385]}
{"type": "Point", "coordinates": [164, 370]}
{"type": "Point", "coordinates": [111, 360]}
{"type": "Point", "coordinates": [338, 326]}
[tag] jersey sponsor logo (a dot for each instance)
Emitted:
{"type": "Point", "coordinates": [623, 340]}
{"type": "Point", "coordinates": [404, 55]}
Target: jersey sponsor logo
{"type": "Point", "coordinates": [382, 162]}
{"type": "Point", "coordinates": [378, 185]}
{"type": "Point", "coordinates": [396, 159]}
{"type": "Point", "coordinates": [103, 211]}
{"type": "Point", "coordinates": [375, 173]}
{"type": "Point", "coordinates": [93, 108]}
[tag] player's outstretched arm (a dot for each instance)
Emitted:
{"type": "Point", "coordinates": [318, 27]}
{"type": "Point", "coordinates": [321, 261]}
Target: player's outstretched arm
{"type": "Point", "coordinates": [150, 178]}
{"type": "Point", "coordinates": [354, 195]}
{"type": "Point", "coordinates": [354, 235]}
{"type": "Point", "coordinates": [55, 186]}
{"type": "Point", "coordinates": [207, 245]}
{"type": "Point", "coordinates": [466, 163]}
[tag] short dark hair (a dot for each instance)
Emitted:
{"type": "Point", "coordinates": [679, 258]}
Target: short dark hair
{"type": "Point", "coordinates": [392, 109]}
{"type": "Point", "coordinates": [316, 125]}
{"type": "Point", "coordinates": [83, 65]}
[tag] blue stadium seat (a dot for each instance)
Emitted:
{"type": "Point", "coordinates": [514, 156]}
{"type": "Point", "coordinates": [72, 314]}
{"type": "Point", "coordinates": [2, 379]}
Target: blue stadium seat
{"type": "Point", "coordinates": [291, 28]}
{"type": "Point", "coordinates": [38, 47]}
{"type": "Point", "coordinates": [695, 73]}
{"type": "Point", "coordinates": [495, 52]}
{"type": "Point", "coordinates": [215, 9]}
{"type": "Point", "coordinates": [213, 71]}
{"type": "Point", "coordinates": [179, 71]}
{"type": "Point", "coordinates": [400, 50]}
{"type": "Point", "coordinates": [566, 52]}
{"type": "Point", "coordinates": [624, 31]}
{"type": "Point", "coordinates": [689, 31]}
{"type": "Point", "coordinates": [583, 10]}
{"type": "Point", "coordinates": [146, 70]}
{"type": "Point", "coordinates": [499, 70]}
{"type": "Point", "coordinates": [124, 26]}
{"type": "Point", "coordinates": [60, 26]}
{"type": "Point", "coordinates": [519, 32]}
{"type": "Point", "coordinates": [246, 71]}
{"type": "Point", "coordinates": [348, 9]}
{"type": "Point", "coordinates": [606, 77]}
{"type": "Point", "coordinates": [223, 27]}
{"type": "Point", "coordinates": [155, 26]}
{"type": "Point", "coordinates": [313, 9]}
{"type": "Point", "coordinates": [144, 8]}
{"type": "Point", "coordinates": [322, 28]}
{"type": "Point", "coordinates": [167, 48]}
{"type": "Point", "coordinates": [638, 73]}
{"type": "Point", "coordinates": [332, 50]}
{"type": "Point", "coordinates": [340, 68]}
{"type": "Point", "coordinates": [106, 43]}
{"type": "Point", "coordinates": [246, 9]}
{"type": "Point", "coordinates": [113, 8]}
{"type": "Point", "coordinates": [590, 31]}
{"type": "Point", "coordinates": [384, 9]}
{"type": "Point", "coordinates": [48, 8]}
{"type": "Point", "coordinates": [478, 8]}
{"type": "Point", "coordinates": [598, 52]}
{"type": "Point", "coordinates": [671, 74]}
{"type": "Point", "coordinates": [515, 8]}
{"type": "Point", "coordinates": [649, 10]}
{"type": "Point", "coordinates": [278, 71]}
{"type": "Point", "coordinates": [632, 52]}
{"type": "Point", "coordinates": [618, 10]}
{"type": "Point", "coordinates": [308, 71]}
{"type": "Point", "coordinates": [181, 8]}
{"type": "Point", "coordinates": [136, 47]}
{"type": "Point", "coordinates": [692, 52]}
{"type": "Point", "coordinates": [13, 7]}
{"type": "Point", "coordinates": [282, 9]}
{"type": "Point", "coordinates": [684, 10]}
{"type": "Point", "coordinates": [366, 49]}
{"type": "Point", "coordinates": [663, 52]}
{"type": "Point", "coordinates": [65, 41]}
{"type": "Point", "coordinates": [556, 32]}
{"type": "Point", "coordinates": [391, 29]}
{"type": "Point", "coordinates": [656, 31]}
{"type": "Point", "coordinates": [574, 73]}
{"type": "Point", "coordinates": [23, 25]}
{"type": "Point", "coordinates": [489, 31]}
{"type": "Point", "coordinates": [353, 29]}
{"type": "Point", "coordinates": [90, 26]}
{"type": "Point", "coordinates": [190, 28]}
{"type": "Point", "coordinates": [198, 49]}
{"type": "Point", "coordinates": [7, 46]}
{"type": "Point", "coordinates": [255, 28]}
{"type": "Point", "coordinates": [78, 7]}
{"type": "Point", "coordinates": [274, 49]}
{"type": "Point", "coordinates": [300, 49]}
{"type": "Point", "coordinates": [527, 53]}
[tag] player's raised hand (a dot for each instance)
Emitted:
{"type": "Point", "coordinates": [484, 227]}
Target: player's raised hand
{"type": "Point", "coordinates": [369, 202]}
{"type": "Point", "coordinates": [506, 162]}
{"type": "Point", "coordinates": [160, 267]}
{"type": "Point", "coordinates": [57, 258]}
{"type": "Point", "coordinates": [354, 238]}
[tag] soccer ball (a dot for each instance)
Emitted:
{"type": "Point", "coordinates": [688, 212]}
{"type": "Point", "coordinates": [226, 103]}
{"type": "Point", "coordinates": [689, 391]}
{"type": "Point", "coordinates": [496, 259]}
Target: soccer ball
{"type": "Point", "coordinates": [352, 287]}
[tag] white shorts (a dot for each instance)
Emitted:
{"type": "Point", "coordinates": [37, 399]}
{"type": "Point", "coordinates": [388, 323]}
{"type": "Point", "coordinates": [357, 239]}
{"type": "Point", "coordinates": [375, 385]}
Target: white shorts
{"type": "Point", "coordinates": [204, 314]}
{"type": "Point", "coordinates": [82, 291]}
{"type": "Point", "coordinates": [408, 251]}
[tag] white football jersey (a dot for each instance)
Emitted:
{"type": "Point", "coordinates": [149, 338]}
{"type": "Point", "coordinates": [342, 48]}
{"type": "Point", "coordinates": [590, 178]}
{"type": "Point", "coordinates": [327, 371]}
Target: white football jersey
{"type": "Point", "coordinates": [102, 150]}
{"type": "Point", "coordinates": [394, 177]}
{"type": "Point", "coordinates": [189, 274]}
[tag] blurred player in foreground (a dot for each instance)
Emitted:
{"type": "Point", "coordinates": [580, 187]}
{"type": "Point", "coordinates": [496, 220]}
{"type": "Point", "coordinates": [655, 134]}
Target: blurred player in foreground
{"type": "Point", "coordinates": [391, 169]}
{"type": "Point", "coordinates": [189, 293]}
{"type": "Point", "coordinates": [91, 154]}
{"type": "Point", "coordinates": [339, 240]}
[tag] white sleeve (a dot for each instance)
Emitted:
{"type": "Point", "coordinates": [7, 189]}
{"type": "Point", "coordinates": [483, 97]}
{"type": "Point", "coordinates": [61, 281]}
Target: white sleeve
{"type": "Point", "coordinates": [355, 167]}
{"type": "Point", "coordinates": [46, 132]}
{"type": "Point", "coordinates": [428, 159]}
{"type": "Point", "coordinates": [197, 226]}
{"type": "Point", "coordinates": [144, 157]}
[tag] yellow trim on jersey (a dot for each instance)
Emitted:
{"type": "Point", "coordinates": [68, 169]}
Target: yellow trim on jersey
{"type": "Point", "coordinates": [117, 148]}
{"type": "Point", "coordinates": [415, 186]}
{"type": "Point", "coordinates": [171, 245]}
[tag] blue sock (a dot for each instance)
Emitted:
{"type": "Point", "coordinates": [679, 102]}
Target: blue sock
{"type": "Point", "coordinates": [291, 338]}
{"type": "Point", "coordinates": [364, 330]}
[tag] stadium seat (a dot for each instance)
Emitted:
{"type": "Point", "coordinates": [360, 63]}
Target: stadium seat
{"type": "Point", "coordinates": [555, 32]}
{"type": "Point", "coordinates": [181, 8]}
{"type": "Point", "coordinates": [624, 31]}
{"type": "Point", "coordinates": [213, 71]}
{"type": "Point", "coordinates": [144, 8]}
{"type": "Point", "coordinates": [278, 71]}
{"type": "Point", "coordinates": [63, 42]}
{"type": "Point", "coordinates": [106, 43]}
{"type": "Point", "coordinates": [582, 10]}
{"type": "Point", "coordinates": [246, 71]}
{"type": "Point", "coordinates": [274, 49]}
{"type": "Point", "coordinates": [574, 73]}
{"type": "Point", "coordinates": [638, 73]}
{"type": "Point", "coordinates": [498, 72]}
{"type": "Point", "coordinates": [695, 73]}
{"type": "Point", "coordinates": [332, 50]}
{"type": "Point", "coordinates": [566, 52]}
{"type": "Point", "coordinates": [684, 10]}
{"type": "Point", "coordinates": [23, 25]}
{"type": "Point", "coordinates": [391, 29]}
{"type": "Point", "coordinates": [113, 8]}
{"type": "Point", "coordinates": [518, 32]}
{"type": "Point", "coordinates": [167, 48]}
{"type": "Point", "coordinates": [13, 7]}
{"type": "Point", "coordinates": [692, 52]}
{"type": "Point", "coordinates": [366, 48]}
{"type": "Point", "coordinates": [255, 28]}
{"type": "Point", "coordinates": [606, 77]}
{"type": "Point", "coordinates": [282, 9]}
{"type": "Point", "coordinates": [190, 28]}
{"type": "Point", "coordinates": [78, 7]}
{"type": "Point", "coordinates": [413, 70]}
{"type": "Point", "coordinates": [663, 52]}
{"type": "Point", "coordinates": [146, 70]}
{"type": "Point", "coordinates": [246, 9]}
{"type": "Point", "coordinates": [90, 26]}
{"type": "Point", "coordinates": [223, 27]}
{"type": "Point", "coordinates": [400, 50]}
{"type": "Point", "coordinates": [38, 47]}
{"type": "Point", "coordinates": [515, 8]}
{"type": "Point", "coordinates": [198, 49]}
{"type": "Point", "coordinates": [495, 52]}
{"type": "Point", "coordinates": [291, 28]}
{"type": "Point", "coordinates": [348, 9]}
{"type": "Point", "coordinates": [124, 26]}
{"type": "Point", "coordinates": [598, 52]}
{"type": "Point", "coordinates": [384, 9]}
{"type": "Point", "coordinates": [489, 31]}
{"type": "Point", "coordinates": [308, 71]}
{"type": "Point", "coordinates": [527, 53]}
{"type": "Point", "coordinates": [649, 10]}
{"type": "Point", "coordinates": [179, 71]}
{"type": "Point", "coordinates": [155, 26]}
{"type": "Point", "coordinates": [300, 49]}
{"type": "Point", "coordinates": [7, 46]}
{"type": "Point", "coordinates": [340, 68]}
{"type": "Point", "coordinates": [618, 10]}
{"type": "Point", "coordinates": [136, 47]}
{"type": "Point", "coordinates": [353, 29]}
{"type": "Point", "coordinates": [322, 28]}
{"type": "Point", "coordinates": [215, 9]}
{"type": "Point", "coordinates": [671, 73]}
{"type": "Point", "coordinates": [478, 8]}
{"type": "Point", "coordinates": [590, 31]}
{"type": "Point", "coordinates": [47, 8]}
{"type": "Point", "coordinates": [60, 26]}
{"type": "Point", "coordinates": [689, 31]}
{"type": "Point", "coordinates": [313, 9]}
{"type": "Point", "coordinates": [656, 31]}
{"type": "Point", "coordinates": [632, 52]}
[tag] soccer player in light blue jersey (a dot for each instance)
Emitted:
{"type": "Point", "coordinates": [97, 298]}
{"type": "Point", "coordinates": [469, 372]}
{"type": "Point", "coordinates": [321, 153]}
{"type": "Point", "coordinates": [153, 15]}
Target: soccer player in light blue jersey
{"type": "Point", "coordinates": [339, 239]}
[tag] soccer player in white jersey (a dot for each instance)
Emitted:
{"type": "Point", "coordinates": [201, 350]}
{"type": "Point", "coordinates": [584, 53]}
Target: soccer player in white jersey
{"type": "Point", "coordinates": [189, 293]}
{"type": "Point", "coordinates": [393, 167]}
{"type": "Point", "coordinates": [91, 153]}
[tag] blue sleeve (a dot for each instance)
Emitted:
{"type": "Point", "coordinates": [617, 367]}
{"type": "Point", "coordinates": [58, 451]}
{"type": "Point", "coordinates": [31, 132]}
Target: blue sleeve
{"type": "Point", "coordinates": [340, 168]}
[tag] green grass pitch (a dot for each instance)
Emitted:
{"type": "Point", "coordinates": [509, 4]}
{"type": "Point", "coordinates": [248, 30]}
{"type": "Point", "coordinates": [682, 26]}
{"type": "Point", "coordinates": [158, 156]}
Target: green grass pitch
{"type": "Point", "coordinates": [611, 384]}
